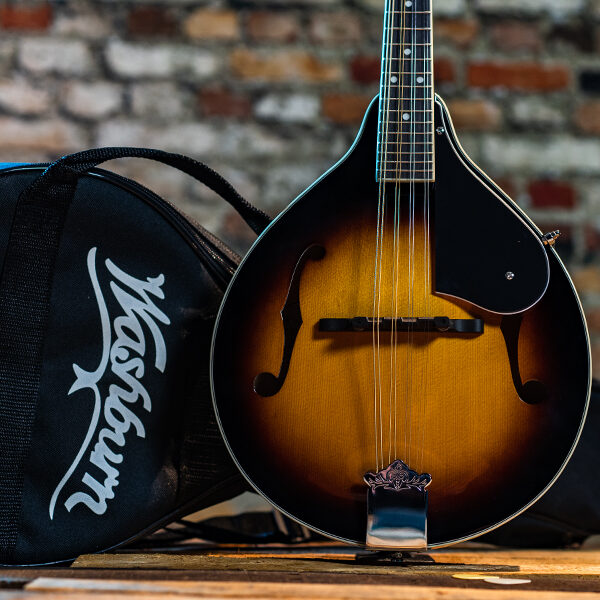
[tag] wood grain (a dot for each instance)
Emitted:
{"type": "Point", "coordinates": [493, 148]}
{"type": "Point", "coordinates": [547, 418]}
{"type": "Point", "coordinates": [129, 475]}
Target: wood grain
{"type": "Point", "coordinates": [113, 588]}
{"type": "Point", "coordinates": [500, 562]}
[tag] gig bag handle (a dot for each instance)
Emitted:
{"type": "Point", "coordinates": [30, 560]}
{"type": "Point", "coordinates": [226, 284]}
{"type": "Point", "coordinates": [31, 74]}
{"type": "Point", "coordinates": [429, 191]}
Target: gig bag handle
{"type": "Point", "coordinates": [72, 166]}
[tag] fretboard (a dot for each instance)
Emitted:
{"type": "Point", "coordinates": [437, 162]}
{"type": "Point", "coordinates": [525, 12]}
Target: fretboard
{"type": "Point", "coordinates": [405, 149]}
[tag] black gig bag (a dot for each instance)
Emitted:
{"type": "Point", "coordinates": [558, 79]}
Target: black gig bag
{"type": "Point", "coordinates": [108, 296]}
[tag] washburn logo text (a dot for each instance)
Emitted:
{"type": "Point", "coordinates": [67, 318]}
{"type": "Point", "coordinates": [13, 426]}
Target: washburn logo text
{"type": "Point", "coordinates": [116, 416]}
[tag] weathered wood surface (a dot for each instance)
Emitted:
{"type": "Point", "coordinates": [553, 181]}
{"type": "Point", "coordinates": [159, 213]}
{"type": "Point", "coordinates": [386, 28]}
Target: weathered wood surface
{"type": "Point", "coordinates": [528, 562]}
{"type": "Point", "coordinates": [75, 589]}
{"type": "Point", "coordinates": [312, 573]}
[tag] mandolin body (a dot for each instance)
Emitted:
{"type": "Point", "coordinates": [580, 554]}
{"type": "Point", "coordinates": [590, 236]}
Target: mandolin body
{"type": "Point", "coordinates": [493, 416]}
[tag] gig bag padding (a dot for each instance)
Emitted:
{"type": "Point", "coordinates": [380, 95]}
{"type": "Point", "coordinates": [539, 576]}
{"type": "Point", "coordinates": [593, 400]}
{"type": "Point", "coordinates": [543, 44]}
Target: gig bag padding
{"type": "Point", "coordinates": [107, 303]}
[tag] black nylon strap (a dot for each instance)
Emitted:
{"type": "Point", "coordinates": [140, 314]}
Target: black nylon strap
{"type": "Point", "coordinates": [25, 288]}
{"type": "Point", "coordinates": [75, 165]}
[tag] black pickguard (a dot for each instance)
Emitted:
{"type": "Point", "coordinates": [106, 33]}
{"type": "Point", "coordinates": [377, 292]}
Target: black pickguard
{"type": "Point", "coordinates": [479, 239]}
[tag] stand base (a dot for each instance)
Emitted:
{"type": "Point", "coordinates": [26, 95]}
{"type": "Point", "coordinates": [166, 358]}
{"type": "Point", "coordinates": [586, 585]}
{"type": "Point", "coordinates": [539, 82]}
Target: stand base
{"type": "Point", "coordinates": [389, 557]}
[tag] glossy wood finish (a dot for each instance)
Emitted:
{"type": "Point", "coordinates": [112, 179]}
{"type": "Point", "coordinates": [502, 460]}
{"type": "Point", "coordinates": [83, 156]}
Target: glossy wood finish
{"type": "Point", "coordinates": [446, 403]}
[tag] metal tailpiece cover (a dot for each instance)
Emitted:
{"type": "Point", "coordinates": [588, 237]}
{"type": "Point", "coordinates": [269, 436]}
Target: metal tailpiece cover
{"type": "Point", "coordinates": [397, 508]}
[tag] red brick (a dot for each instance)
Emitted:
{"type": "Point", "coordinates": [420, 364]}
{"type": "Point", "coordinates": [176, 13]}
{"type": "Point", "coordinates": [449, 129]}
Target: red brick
{"type": "Point", "coordinates": [526, 76]}
{"type": "Point", "coordinates": [514, 35]}
{"type": "Point", "coordinates": [366, 69]}
{"type": "Point", "coordinates": [335, 28]}
{"type": "Point", "coordinates": [444, 70]}
{"type": "Point", "coordinates": [552, 194]}
{"type": "Point", "coordinates": [475, 115]}
{"type": "Point", "coordinates": [221, 102]}
{"type": "Point", "coordinates": [283, 66]}
{"type": "Point", "coordinates": [592, 243]}
{"type": "Point", "coordinates": [460, 32]}
{"type": "Point", "coordinates": [263, 26]}
{"type": "Point", "coordinates": [31, 18]}
{"type": "Point", "coordinates": [212, 24]}
{"type": "Point", "coordinates": [345, 108]}
{"type": "Point", "coordinates": [150, 21]}
{"type": "Point", "coordinates": [587, 117]}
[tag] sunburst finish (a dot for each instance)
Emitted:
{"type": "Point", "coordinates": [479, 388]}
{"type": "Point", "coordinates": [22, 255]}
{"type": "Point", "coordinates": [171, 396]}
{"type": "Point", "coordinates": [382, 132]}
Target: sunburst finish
{"type": "Point", "coordinates": [445, 404]}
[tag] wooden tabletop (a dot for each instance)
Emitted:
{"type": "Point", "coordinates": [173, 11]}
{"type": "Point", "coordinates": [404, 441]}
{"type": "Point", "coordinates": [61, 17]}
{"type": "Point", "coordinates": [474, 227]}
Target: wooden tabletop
{"type": "Point", "coordinates": [315, 572]}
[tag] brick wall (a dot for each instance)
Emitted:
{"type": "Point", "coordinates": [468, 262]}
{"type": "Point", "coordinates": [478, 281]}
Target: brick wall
{"type": "Point", "coordinates": [271, 92]}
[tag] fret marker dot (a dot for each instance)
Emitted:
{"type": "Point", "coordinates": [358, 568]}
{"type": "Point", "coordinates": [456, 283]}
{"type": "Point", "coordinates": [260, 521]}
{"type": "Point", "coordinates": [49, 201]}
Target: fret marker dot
{"type": "Point", "coordinates": [394, 79]}
{"type": "Point", "coordinates": [407, 52]}
{"type": "Point", "coordinates": [406, 116]}
{"type": "Point", "coordinates": [420, 80]}
{"type": "Point", "coordinates": [408, 3]}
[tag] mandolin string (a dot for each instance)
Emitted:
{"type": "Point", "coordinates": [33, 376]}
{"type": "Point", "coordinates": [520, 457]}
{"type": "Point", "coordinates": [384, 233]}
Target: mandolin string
{"type": "Point", "coordinates": [402, 170]}
{"type": "Point", "coordinates": [382, 239]}
{"type": "Point", "coordinates": [384, 107]}
{"type": "Point", "coordinates": [392, 327]}
{"type": "Point", "coordinates": [413, 200]}
{"type": "Point", "coordinates": [402, 70]}
{"type": "Point", "coordinates": [397, 231]}
{"type": "Point", "coordinates": [383, 281]}
{"type": "Point", "coordinates": [427, 106]}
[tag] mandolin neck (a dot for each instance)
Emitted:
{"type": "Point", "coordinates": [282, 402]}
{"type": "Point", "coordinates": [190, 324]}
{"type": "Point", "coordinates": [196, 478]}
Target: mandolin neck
{"type": "Point", "coordinates": [405, 148]}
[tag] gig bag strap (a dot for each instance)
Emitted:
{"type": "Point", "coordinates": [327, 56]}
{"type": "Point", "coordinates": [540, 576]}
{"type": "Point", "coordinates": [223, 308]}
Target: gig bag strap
{"type": "Point", "coordinates": [25, 288]}
{"type": "Point", "coordinates": [75, 165]}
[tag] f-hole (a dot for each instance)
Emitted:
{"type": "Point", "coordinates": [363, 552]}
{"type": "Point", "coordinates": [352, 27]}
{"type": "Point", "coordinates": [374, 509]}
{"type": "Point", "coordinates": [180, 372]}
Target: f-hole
{"type": "Point", "coordinates": [533, 391]}
{"type": "Point", "coordinates": [266, 384]}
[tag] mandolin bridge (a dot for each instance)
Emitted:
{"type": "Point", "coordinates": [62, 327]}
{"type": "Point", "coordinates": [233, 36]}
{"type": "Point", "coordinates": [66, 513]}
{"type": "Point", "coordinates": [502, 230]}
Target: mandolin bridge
{"type": "Point", "coordinates": [408, 325]}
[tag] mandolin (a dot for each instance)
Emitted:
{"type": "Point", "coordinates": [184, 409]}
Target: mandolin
{"type": "Point", "coordinates": [401, 360]}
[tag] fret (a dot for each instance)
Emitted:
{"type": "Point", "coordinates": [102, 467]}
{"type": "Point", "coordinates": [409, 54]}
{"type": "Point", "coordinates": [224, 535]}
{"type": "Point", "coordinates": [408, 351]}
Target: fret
{"type": "Point", "coordinates": [407, 105]}
{"type": "Point", "coordinates": [392, 119]}
{"type": "Point", "coordinates": [411, 21]}
{"type": "Point", "coordinates": [419, 166]}
{"type": "Point", "coordinates": [418, 147]}
{"type": "Point", "coordinates": [408, 174]}
{"type": "Point", "coordinates": [407, 169]}
{"type": "Point", "coordinates": [401, 35]}
{"type": "Point", "coordinates": [395, 84]}
{"type": "Point", "coordinates": [408, 123]}
{"type": "Point", "coordinates": [410, 133]}
{"type": "Point", "coordinates": [418, 37]}
{"type": "Point", "coordinates": [401, 53]}
{"type": "Point", "coordinates": [413, 77]}
{"type": "Point", "coordinates": [406, 127]}
{"type": "Point", "coordinates": [409, 153]}
{"type": "Point", "coordinates": [405, 115]}
{"type": "Point", "coordinates": [393, 89]}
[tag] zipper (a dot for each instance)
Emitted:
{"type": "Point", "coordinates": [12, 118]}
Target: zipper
{"type": "Point", "coordinates": [220, 260]}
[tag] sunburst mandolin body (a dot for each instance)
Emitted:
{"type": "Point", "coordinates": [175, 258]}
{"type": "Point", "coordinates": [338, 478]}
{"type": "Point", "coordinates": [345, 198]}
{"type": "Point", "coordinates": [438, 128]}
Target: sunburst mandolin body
{"type": "Point", "coordinates": [446, 404]}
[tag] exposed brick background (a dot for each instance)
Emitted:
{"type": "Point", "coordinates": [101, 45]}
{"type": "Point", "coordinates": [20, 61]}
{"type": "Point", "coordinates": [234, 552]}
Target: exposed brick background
{"type": "Point", "coordinates": [271, 93]}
